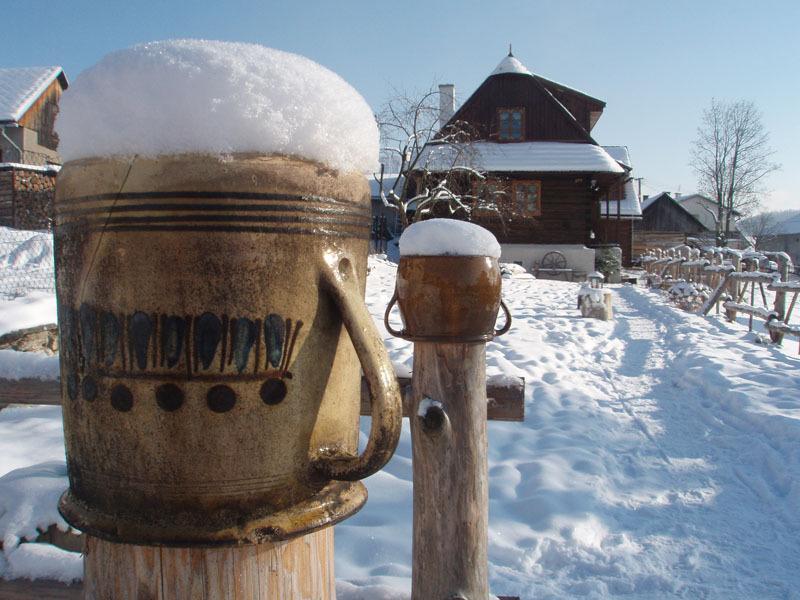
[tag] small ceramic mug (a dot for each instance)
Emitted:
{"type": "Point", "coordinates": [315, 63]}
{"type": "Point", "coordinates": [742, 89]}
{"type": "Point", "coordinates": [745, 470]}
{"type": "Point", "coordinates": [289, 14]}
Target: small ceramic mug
{"type": "Point", "coordinates": [448, 299]}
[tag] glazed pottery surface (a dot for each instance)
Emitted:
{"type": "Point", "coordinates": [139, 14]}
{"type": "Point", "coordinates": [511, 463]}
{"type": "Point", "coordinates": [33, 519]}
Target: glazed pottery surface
{"type": "Point", "coordinates": [210, 381]}
{"type": "Point", "coordinates": [448, 298]}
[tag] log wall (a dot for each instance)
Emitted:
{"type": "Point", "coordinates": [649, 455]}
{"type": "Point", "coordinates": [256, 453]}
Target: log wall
{"type": "Point", "coordinates": [567, 208]}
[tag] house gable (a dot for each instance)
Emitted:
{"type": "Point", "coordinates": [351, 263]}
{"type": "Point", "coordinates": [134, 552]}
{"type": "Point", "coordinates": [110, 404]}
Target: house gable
{"type": "Point", "coordinates": [665, 214]}
{"type": "Point", "coordinates": [29, 99]}
{"type": "Point", "coordinates": [21, 88]}
{"type": "Point", "coordinates": [544, 174]}
{"type": "Point", "coordinates": [545, 117]}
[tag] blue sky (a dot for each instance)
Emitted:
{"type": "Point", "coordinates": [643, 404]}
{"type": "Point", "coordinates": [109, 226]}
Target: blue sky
{"type": "Point", "coordinates": [655, 64]}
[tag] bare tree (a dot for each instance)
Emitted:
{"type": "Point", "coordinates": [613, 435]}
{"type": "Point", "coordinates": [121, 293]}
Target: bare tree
{"type": "Point", "coordinates": [732, 157]}
{"type": "Point", "coordinates": [442, 178]}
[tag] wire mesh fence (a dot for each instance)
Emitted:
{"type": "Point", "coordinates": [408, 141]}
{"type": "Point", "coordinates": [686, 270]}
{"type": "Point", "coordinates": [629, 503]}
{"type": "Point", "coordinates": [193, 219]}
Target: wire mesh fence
{"type": "Point", "coordinates": [26, 263]}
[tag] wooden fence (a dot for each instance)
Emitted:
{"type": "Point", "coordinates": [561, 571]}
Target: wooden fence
{"type": "Point", "coordinates": [504, 402]}
{"type": "Point", "coordinates": [732, 278]}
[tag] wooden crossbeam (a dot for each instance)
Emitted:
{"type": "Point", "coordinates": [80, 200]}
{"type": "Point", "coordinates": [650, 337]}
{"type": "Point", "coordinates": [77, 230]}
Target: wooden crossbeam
{"type": "Point", "coordinates": [24, 589]}
{"type": "Point", "coordinates": [30, 391]}
{"type": "Point", "coordinates": [505, 397]}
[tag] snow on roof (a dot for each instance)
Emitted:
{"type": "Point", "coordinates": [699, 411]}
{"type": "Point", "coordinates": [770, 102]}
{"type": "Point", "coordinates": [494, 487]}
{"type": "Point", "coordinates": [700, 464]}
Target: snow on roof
{"type": "Point", "coordinates": [41, 168]}
{"type": "Point", "coordinates": [629, 206]}
{"type": "Point", "coordinates": [21, 87]}
{"type": "Point", "coordinates": [216, 97]}
{"type": "Point", "coordinates": [510, 64]}
{"type": "Point", "coordinates": [620, 154]}
{"type": "Point", "coordinates": [538, 157]}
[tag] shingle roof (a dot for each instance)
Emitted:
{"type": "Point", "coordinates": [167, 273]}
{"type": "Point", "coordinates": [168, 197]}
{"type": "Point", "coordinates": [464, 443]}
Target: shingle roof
{"type": "Point", "coordinates": [20, 87]}
{"type": "Point", "coordinates": [511, 64]}
{"type": "Point", "coordinates": [537, 157]}
{"type": "Point", "coordinates": [648, 201]}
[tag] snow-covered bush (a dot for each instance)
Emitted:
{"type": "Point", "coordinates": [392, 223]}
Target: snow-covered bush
{"type": "Point", "coordinates": [688, 295]}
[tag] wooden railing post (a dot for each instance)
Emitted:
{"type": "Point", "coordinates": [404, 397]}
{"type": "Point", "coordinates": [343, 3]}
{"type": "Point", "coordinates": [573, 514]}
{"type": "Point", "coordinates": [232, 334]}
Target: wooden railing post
{"type": "Point", "coordinates": [780, 299]}
{"type": "Point", "coordinates": [730, 314]}
{"type": "Point", "coordinates": [449, 301]}
{"type": "Point", "coordinates": [451, 490]}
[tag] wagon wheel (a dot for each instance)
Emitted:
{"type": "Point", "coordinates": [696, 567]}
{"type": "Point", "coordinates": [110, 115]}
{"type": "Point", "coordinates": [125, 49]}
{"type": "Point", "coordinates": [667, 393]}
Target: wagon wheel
{"type": "Point", "coordinates": [553, 260]}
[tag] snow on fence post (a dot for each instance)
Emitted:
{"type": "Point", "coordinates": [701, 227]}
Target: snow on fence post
{"type": "Point", "coordinates": [593, 301]}
{"type": "Point", "coordinates": [449, 329]}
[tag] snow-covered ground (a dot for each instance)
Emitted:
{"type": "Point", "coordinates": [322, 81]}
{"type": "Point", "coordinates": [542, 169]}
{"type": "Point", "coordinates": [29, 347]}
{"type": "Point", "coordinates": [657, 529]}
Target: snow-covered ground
{"type": "Point", "coordinates": [659, 457]}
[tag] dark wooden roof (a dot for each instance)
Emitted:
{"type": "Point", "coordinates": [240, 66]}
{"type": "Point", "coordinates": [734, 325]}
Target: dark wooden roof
{"type": "Point", "coordinates": [560, 88]}
{"type": "Point", "coordinates": [546, 119]}
{"type": "Point", "coordinates": [665, 214]}
{"type": "Point", "coordinates": [553, 111]}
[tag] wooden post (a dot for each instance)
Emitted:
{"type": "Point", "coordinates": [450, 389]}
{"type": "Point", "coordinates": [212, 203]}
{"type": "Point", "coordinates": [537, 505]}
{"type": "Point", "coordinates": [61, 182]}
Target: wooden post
{"type": "Point", "coordinates": [734, 289]}
{"type": "Point", "coordinates": [780, 300]}
{"type": "Point", "coordinates": [300, 569]}
{"type": "Point", "coordinates": [451, 492]}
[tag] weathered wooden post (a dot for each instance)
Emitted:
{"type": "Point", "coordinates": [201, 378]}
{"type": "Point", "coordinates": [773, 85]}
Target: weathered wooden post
{"type": "Point", "coordinates": [298, 569]}
{"type": "Point", "coordinates": [448, 292]}
{"type": "Point", "coordinates": [780, 297]}
{"type": "Point", "coordinates": [213, 330]}
{"type": "Point", "coordinates": [736, 261]}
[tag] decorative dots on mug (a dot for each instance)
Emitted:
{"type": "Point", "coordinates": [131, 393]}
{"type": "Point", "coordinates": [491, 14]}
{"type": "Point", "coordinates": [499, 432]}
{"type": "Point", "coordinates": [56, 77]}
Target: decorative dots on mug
{"type": "Point", "coordinates": [121, 398]}
{"type": "Point", "coordinates": [169, 397]}
{"type": "Point", "coordinates": [273, 391]}
{"type": "Point", "coordinates": [221, 398]}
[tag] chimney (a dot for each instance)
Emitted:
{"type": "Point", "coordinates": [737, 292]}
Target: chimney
{"type": "Point", "coordinates": [447, 102]}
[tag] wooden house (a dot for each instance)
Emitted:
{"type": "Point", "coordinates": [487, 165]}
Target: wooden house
{"type": "Point", "coordinates": [29, 160]}
{"type": "Point", "coordinates": [665, 223]}
{"type": "Point", "coordinates": [704, 209]}
{"type": "Point", "coordinates": [532, 139]}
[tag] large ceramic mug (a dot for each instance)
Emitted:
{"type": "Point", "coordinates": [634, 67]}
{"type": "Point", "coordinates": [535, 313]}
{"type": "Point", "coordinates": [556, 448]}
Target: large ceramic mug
{"type": "Point", "coordinates": [213, 331]}
{"type": "Point", "coordinates": [448, 299]}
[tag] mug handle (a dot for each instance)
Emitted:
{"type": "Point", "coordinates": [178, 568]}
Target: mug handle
{"type": "Point", "coordinates": [339, 280]}
{"type": "Point", "coordinates": [389, 307]}
{"type": "Point", "coordinates": [507, 325]}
